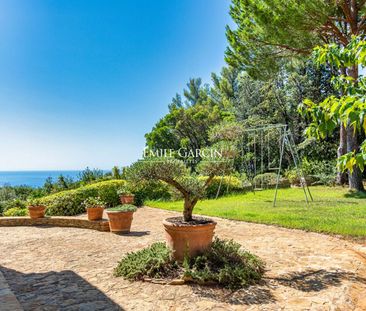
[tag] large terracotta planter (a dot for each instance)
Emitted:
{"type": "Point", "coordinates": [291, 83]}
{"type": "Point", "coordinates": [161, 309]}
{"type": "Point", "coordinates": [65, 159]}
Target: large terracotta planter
{"type": "Point", "coordinates": [36, 211]}
{"type": "Point", "coordinates": [95, 213]}
{"type": "Point", "coordinates": [120, 222]}
{"type": "Point", "coordinates": [127, 198]}
{"type": "Point", "coordinates": [188, 239]}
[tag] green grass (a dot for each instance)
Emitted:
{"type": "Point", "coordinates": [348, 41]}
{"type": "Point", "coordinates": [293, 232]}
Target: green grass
{"type": "Point", "coordinates": [335, 210]}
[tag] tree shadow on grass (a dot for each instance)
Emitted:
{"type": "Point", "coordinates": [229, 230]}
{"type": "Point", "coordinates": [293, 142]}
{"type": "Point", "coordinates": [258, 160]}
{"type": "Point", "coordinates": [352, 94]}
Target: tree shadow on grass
{"type": "Point", "coordinates": [64, 290]}
{"type": "Point", "coordinates": [356, 195]}
{"type": "Point", "coordinates": [316, 280]}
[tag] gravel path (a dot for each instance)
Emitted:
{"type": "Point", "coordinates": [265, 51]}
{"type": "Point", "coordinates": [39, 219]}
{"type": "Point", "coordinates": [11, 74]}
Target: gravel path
{"type": "Point", "coordinates": [71, 269]}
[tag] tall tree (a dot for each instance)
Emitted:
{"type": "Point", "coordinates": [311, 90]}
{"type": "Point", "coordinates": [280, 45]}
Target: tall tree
{"type": "Point", "coordinates": [350, 108]}
{"type": "Point", "coordinates": [188, 121]}
{"type": "Point", "coordinates": [269, 31]}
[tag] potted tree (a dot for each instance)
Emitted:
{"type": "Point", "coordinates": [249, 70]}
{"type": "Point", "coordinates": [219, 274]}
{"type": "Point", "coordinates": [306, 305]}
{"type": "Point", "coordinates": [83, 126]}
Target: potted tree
{"type": "Point", "coordinates": [126, 196]}
{"type": "Point", "coordinates": [120, 218]}
{"type": "Point", "coordinates": [94, 208]}
{"type": "Point", "coordinates": [36, 208]}
{"type": "Point", "coordinates": [186, 235]}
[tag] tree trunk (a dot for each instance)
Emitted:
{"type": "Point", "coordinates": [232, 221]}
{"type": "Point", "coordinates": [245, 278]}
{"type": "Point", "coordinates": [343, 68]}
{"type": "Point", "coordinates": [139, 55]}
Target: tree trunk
{"type": "Point", "coordinates": [188, 209]}
{"type": "Point", "coordinates": [342, 149]}
{"type": "Point", "coordinates": [355, 178]}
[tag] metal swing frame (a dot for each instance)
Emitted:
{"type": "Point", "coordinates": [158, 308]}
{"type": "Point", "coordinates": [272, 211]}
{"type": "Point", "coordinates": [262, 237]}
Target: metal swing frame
{"type": "Point", "coordinates": [286, 140]}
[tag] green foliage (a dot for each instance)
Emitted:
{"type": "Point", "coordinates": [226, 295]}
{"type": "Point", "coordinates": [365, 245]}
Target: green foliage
{"type": "Point", "coordinates": [229, 185]}
{"type": "Point", "coordinates": [154, 261]}
{"type": "Point", "coordinates": [125, 190]}
{"type": "Point", "coordinates": [270, 31]}
{"type": "Point", "coordinates": [150, 190]}
{"type": "Point", "coordinates": [116, 173]}
{"type": "Point", "coordinates": [188, 122]}
{"type": "Point", "coordinates": [316, 172]}
{"type": "Point", "coordinates": [123, 208]}
{"type": "Point", "coordinates": [348, 109]}
{"type": "Point", "coordinates": [224, 264]}
{"type": "Point", "coordinates": [16, 211]}
{"type": "Point", "coordinates": [91, 175]}
{"type": "Point", "coordinates": [93, 202]}
{"type": "Point", "coordinates": [34, 202]}
{"type": "Point", "coordinates": [175, 173]}
{"type": "Point", "coordinates": [15, 203]}
{"type": "Point", "coordinates": [322, 172]}
{"type": "Point", "coordinates": [68, 203]}
{"type": "Point", "coordinates": [265, 180]}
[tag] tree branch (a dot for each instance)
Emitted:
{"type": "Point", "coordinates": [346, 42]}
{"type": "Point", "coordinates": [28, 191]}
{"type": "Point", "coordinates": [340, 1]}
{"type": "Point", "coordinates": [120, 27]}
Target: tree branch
{"type": "Point", "coordinates": [175, 184]}
{"type": "Point", "coordinates": [284, 46]}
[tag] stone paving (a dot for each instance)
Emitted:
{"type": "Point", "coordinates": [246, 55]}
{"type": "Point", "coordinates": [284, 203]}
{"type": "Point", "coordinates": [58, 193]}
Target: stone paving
{"type": "Point", "coordinates": [72, 269]}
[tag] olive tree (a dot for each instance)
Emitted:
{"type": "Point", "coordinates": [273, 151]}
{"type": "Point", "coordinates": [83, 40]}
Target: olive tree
{"type": "Point", "coordinates": [176, 174]}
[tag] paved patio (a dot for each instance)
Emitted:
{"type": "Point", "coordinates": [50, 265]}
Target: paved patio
{"type": "Point", "coordinates": [71, 269]}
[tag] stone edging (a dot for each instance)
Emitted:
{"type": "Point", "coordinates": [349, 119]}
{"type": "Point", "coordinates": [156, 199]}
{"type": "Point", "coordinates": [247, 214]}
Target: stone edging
{"type": "Point", "coordinates": [100, 225]}
{"type": "Point", "coordinates": [8, 301]}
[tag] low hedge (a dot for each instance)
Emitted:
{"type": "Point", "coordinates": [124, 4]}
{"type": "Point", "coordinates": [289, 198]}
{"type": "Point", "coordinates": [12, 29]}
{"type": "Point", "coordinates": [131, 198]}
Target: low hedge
{"type": "Point", "coordinates": [68, 203]}
{"type": "Point", "coordinates": [16, 211]}
{"type": "Point", "coordinates": [150, 190]}
{"type": "Point", "coordinates": [269, 180]}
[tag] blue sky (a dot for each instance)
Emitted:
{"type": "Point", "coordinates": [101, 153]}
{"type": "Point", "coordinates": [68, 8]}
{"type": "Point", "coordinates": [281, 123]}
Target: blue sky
{"type": "Point", "coordinates": [81, 82]}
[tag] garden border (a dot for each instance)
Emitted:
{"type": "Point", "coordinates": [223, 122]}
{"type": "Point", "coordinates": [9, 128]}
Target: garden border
{"type": "Point", "coordinates": [56, 221]}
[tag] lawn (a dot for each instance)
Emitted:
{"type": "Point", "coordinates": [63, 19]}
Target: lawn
{"type": "Point", "coordinates": [334, 210]}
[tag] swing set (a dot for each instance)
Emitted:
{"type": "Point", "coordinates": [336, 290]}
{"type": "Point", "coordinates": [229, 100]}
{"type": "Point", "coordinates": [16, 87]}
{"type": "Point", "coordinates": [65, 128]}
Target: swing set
{"type": "Point", "coordinates": [269, 142]}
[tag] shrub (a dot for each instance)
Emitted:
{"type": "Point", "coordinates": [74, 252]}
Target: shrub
{"type": "Point", "coordinates": [224, 264]}
{"type": "Point", "coordinates": [154, 261]}
{"type": "Point", "coordinates": [267, 180]}
{"type": "Point", "coordinates": [69, 202]}
{"type": "Point", "coordinates": [315, 172]}
{"type": "Point", "coordinates": [229, 184]}
{"type": "Point", "coordinates": [150, 190]}
{"type": "Point", "coordinates": [34, 202]}
{"type": "Point", "coordinates": [16, 203]}
{"type": "Point", "coordinates": [123, 208]}
{"type": "Point", "coordinates": [93, 202]}
{"type": "Point", "coordinates": [125, 190]}
{"type": "Point", "coordinates": [16, 211]}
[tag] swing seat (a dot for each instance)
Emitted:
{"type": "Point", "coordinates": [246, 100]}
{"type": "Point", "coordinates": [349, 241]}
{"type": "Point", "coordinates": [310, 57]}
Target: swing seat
{"type": "Point", "coordinates": [258, 189]}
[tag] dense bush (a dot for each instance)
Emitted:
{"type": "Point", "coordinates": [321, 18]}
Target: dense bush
{"type": "Point", "coordinates": [16, 211]}
{"type": "Point", "coordinates": [315, 173]}
{"type": "Point", "coordinates": [154, 261]}
{"type": "Point", "coordinates": [224, 264]}
{"type": "Point", "coordinates": [68, 203]}
{"type": "Point", "coordinates": [11, 204]}
{"type": "Point", "coordinates": [269, 180]}
{"type": "Point", "coordinates": [229, 184]}
{"type": "Point", "coordinates": [150, 190]}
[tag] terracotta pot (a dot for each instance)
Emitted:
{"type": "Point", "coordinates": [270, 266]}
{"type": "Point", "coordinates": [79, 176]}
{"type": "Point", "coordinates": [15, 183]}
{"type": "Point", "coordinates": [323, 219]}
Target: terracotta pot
{"type": "Point", "coordinates": [120, 221]}
{"type": "Point", "coordinates": [36, 211]}
{"type": "Point", "coordinates": [127, 198]}
{"type": "Point", "coordinates": [186, 239]}
{"type": "Point", "coordinates": [95, 213]}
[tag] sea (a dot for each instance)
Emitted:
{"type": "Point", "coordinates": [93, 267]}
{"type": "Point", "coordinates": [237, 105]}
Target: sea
{"type": "Point", "coordinates": [33, 178]}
